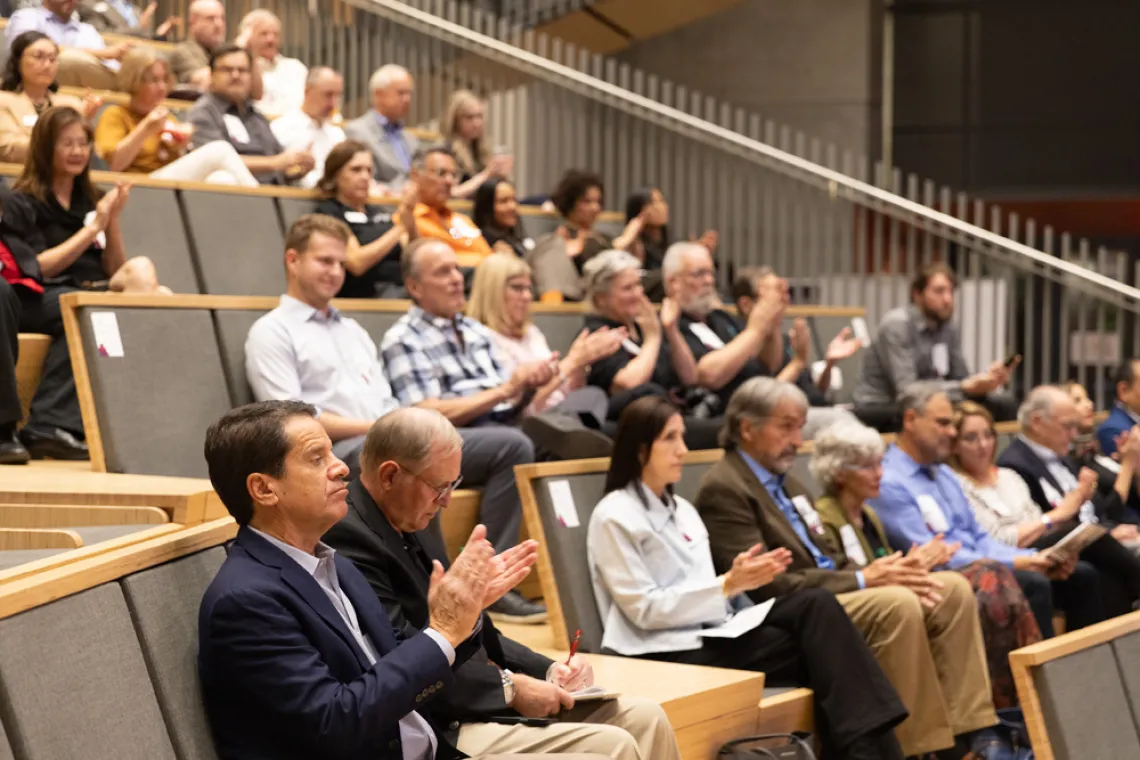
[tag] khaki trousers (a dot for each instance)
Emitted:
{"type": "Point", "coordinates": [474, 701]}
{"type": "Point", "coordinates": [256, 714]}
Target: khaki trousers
{"type": "Point", "coordinates": [626, 728]}
{"type": "Point", "coordinates": [935, 659]}
{"type": "Point", "coordinates": [80, 69]}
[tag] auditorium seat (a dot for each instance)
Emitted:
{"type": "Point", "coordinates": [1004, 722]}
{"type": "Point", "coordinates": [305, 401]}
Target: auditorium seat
{"type": "Point", "coordinates": [292, 209]}
{"type": "Point", "coordinates": [151, 224]}
{"type": "Point", "coordinates": [238, 242]}
{"type": "Point", "coordinates": [33, 349]}
{"type": "Point", "coordinates": [16, 557]}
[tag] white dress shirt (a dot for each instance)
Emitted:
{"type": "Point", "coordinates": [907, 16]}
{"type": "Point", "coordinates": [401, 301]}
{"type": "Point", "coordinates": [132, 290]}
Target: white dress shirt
{"type": "Point", "coordinates": [328, 360]}
{"type": "Point", "coordinates": [283, 85]}
{"type": "Point", "coordinates": [1064, 477]}
{"type": "Point", "coordinates": [296, 129]}
{"type": "Point", "coordinates": [416, 735]}
{"type": "Point", "coordinates": [653, 573]}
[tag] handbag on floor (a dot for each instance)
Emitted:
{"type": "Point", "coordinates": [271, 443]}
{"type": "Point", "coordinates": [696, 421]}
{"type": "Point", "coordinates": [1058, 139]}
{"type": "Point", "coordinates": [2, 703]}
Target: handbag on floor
{"type": "Point", "coordinates": [795, 746]}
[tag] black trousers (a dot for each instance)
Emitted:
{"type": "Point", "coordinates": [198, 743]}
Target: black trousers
{"type": "Point", "coordinates": [1119, 570]}
{"type": "Point", "coordinates": [9, 351]}
{"type": "Point", "coordinates": [1079, 597]}
{"type": "Point", "coordinates": [808, 640]}
{"type": "Point", "coordinates": [55, 404]}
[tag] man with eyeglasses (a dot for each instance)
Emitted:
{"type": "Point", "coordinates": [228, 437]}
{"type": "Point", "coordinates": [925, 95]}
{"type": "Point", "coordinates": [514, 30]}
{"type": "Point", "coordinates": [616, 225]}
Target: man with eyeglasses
{"type": "Point", "coordinates": [307, 350]}
{"type": "Point", "coordinates": [409, 465]}
{"type": "Point", "coordinates": [435, 173]}
{"type": "Point", "coordinates": [227, 113]}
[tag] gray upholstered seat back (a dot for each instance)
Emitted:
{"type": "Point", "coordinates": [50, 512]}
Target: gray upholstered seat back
{"type": "Point", "coordinates": [560, 329]}
{"type": "Point", "coordinates": [5, 747]}
{"type": "Point", "coordinates": [238, 243]}
{"type": "Point", "coordinates": [151, 223]}
{"type": "Point", "coordinates": [1085, 705]}
{"type": "Point", "coordinates": [538, 225]}
{"type": "Point", "coordinates": [163, 602]}
{"type": "Point", "coordinates": [233, 327]}
{"type": "Point", "coordinates": [611, 228]}
{"type": "Point", "coordinates": [155, 402]}
{"type": "Point", "coordinates": [76, 685]}
{"type": "Point", "coordinates": [567, 546]}
{"type": "Point", "coordinates": [376, 323]}
{"type": "Point", "coordinates": [293, 209]}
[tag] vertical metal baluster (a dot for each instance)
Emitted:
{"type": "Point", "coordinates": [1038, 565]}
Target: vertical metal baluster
{"type": "Point", "coordinates": [1048, 316]}
{"type": "Point", "coordinates": [1065, 308]}
{"type": "Point", "coordinates": [1102, 266]}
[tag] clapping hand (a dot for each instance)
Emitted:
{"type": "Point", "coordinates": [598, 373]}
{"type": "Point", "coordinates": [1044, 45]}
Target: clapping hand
{"type": "Point", "coordinates": [843, 346]}
{"type": "Point", "coordinates": [455, 597]}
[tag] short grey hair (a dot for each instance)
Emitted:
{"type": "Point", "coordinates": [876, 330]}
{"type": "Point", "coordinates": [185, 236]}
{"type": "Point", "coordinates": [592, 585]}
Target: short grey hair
{"type": "Point", "coordinates": [1040, 400]}
{"type": "Point", "coordinates": [754, 400]}
{"type": "Point", "coordinates": [408, 256]}
{"type": "Point", "coordinates": [674, 260]}
{"type": "Point", "coordinates": [385, 75]}
{"type": "Point", "coordinates": [409, 435]}
{"type": "Point", "coordinates": [918, 395]}
{"type": "Point", "coordinates": [253, 17]}
{"type": "Point", "coordinates": [840, 446]}
{"type": "Point", "coordinates": [599, 272]}
{"type": "Point", "coordinates": [317, 72]}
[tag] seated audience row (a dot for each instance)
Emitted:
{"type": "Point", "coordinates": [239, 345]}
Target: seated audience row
{"type": "Point", "coordinates": [58, 233]}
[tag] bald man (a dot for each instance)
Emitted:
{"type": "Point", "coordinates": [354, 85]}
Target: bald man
{"type": "Point", "coordinates": [283, 79]}
{"type": "Point", "coordinates": [190, 61]}
{"type": "Point", "coordinates": [310, 125]}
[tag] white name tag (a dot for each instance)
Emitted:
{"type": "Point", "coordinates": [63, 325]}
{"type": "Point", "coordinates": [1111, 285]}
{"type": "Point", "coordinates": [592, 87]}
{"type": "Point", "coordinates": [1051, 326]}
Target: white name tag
{"type": "Point", "coordinates": [705, 335]}
{"type": "Point", "coordinates": [808, 514]}
{"type": "Point", "coordinates": [851, 546]}
{"type": "Point", "coordinates": [30, 120]}
{"type": "Point", "coordinates": [631, 347]}
{"type": "Point", "coordinates": [101, 238]}
{"type": "Point", "coordinates": [940, 358]}
{"type": "Point", "coordinates": [101, 7]}
{"type": "Point", "coordinates": [356, 217]}
{"type": "Point", "coordinates": [1088, 513]}
{"type": "Point", "coordinates": [932, 513]}
{"type": "Point", "coordinates": [859, 327]}
{"type": "Point", "coordinates": [1108, 463]}
{"type": "Point", "coordinates": [235, 128]}
{"type": "Point", "coordinates": [1052, 495]}
{"type": "Point", "coordinates": [528, 243]}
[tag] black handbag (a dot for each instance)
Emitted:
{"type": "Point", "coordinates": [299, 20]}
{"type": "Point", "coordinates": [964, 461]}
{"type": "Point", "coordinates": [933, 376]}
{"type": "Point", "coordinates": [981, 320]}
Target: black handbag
{"type": "Point", "coordinates": [795, 746]}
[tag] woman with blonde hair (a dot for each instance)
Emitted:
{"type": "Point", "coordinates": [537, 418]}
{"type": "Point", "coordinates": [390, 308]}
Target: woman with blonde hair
{"type": "Point", "coordinates": [500, 298]}
{"type": "Point", "coordinates": [144, 137]}
{"type": "Point", "coordinates": [464, 132]}
{"type": "Point", "coordinates": [847, 462]}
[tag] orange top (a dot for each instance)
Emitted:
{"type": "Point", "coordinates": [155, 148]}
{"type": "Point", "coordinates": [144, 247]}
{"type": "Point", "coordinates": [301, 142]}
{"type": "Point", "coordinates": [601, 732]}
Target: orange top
{"type": "Point", "coordinates": [456, 230]}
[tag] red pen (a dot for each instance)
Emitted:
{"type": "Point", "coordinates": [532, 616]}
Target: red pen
{"type": "Point", "coordinates": [574, 645]}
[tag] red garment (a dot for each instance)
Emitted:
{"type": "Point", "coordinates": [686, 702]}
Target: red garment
{"type": "Point", "coordinates": [11, 271]}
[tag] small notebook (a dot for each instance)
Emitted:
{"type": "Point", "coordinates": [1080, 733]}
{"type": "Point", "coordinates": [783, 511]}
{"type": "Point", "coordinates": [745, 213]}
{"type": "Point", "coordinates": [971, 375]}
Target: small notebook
{"type": "Point", "coordinates": [592, 693]}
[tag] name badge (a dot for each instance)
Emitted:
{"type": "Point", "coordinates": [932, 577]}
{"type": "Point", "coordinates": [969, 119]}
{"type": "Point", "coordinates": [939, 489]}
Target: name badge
{"type": "Point", "coordinates": [631, 347]}
{"type": "Point", "coordinates": [356, 217]}
{"type": "Point", "coordinates": [705, 335]}
{"type": "Point", "coordinates": [101, 7]}
{"type": "Point", "coordinates": [1052, 495]}
{"type": "Point", "coordinates": [808, 514]}
{"type": "Point", "coordinates": [30, 120]}
{"type": "Point", "coordinates": [851, 546]}
{"type": "Point", "coordinates": [1108, 463]}
{"type": "Point", "coordinates": [528, 244]}
{"type": "Point", "coordinates": [932, 513]}
{"type": "Point", "coordinates": [101, 238]}
{"type": "Point", "coordinates": [1088, 513]}
{"type": "Point", "coordinates": [940, 358]}
{"type": "Point", "coordinates": [235, 128]}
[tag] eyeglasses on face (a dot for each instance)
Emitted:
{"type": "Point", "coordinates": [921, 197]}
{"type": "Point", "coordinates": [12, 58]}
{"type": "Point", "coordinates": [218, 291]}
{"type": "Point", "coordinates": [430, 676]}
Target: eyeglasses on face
{"type": "Point", "coordinates": [441, 492]}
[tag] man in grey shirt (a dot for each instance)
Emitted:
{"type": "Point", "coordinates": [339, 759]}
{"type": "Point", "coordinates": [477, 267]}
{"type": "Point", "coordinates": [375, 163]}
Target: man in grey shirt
{"type": "Point", "coordinates": [227, 113]}
{"type": "Point", "coordinates": [919, 342]}
{"type": "Point", "coordinates": [306, 350]}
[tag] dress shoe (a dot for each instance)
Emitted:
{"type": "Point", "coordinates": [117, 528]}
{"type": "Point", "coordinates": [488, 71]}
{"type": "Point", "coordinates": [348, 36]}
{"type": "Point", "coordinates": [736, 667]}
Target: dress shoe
{"type": "Point", "coordinates": [55, 443]}
{"type": "Point", "coordinates": [514, 608]}
{"type": "Point", "coordinates": [563, 437]}
{"type": "Point", "coordinates": [11, 450]}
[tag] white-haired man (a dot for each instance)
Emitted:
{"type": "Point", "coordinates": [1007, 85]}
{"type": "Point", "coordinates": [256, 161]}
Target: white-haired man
{"type": "Point", "coordinates": [282, 78]}
{"type": "Point", "coordinates": [382, 128]}
{"type": "Point", "coordinates": [310, 125]}
{"type": "Point", "coordinates": [727, 351]}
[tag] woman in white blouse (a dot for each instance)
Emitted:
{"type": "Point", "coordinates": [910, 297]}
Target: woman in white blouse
{"type": "Point", "coordinates": [501, 296]}
{"type": "Point", "coordinates": [660, 598]}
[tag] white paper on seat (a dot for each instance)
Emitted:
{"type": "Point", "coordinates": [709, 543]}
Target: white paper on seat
{"type": "Point", "coordinates": [563, 500]}
{"type": "Point", "coordinates": [108, 341]}
{"type": "Point", "coordinates": [740, 623]}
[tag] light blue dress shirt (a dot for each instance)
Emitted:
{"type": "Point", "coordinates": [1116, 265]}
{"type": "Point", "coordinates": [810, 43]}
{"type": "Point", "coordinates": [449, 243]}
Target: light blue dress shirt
{"type": "Point", "coordinates": [775, 486]}
{"type": "Point", "coordinates": [394, 134]}
{"type": "Point", "coordinates": [68, 33]}
{"type": "Point", "coordinates": [904, 481]}
{"type": "Point", "coordinates": [416, 735]}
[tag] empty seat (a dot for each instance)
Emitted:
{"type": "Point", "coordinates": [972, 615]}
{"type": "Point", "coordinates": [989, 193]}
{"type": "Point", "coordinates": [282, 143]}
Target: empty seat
{"type": "Point", "coordinates": [75, 683]}
{"type": "Point", "coordinates": [154, 403]}
{"type": "Point", "coordinates": [292, 209]}
{"type": "Point", "coordinates": [233, 327]}
{"type": "Point", "coordinates": [238, 243]}
{"type": "Point", "coordinates": [163, 602]}
{"type": "Point", "coordinates": [151, 223]}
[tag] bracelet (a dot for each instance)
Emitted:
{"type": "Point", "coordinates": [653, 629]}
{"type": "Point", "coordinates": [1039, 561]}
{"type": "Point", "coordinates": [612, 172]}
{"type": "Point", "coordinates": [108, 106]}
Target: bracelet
{"type": "Point", "coordinates": [1047, 522]}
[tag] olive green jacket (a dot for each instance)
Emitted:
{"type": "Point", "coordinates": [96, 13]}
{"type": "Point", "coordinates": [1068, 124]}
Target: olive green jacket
{"type": "Point", "coordinates": [834, 518]}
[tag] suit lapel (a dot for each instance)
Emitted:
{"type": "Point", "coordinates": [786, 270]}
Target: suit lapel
{"type": "Point", "coordinates": [384, 147]}
{"type": "Point", "coordinates": [1039, 467]}
{"type": "Point", "coordinates": [769, 512]}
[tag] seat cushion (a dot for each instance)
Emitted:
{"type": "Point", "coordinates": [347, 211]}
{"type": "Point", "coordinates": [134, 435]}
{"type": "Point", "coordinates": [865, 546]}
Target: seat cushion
{"type": "Point", "coordinates": [164, 606]}
{"type": "Point", "coordinates": [75, 683]}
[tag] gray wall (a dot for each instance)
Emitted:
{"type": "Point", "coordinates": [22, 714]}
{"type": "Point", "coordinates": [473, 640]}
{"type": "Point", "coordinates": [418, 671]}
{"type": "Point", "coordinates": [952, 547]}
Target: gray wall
{"type": "Point", "coordinates": [809, 64]}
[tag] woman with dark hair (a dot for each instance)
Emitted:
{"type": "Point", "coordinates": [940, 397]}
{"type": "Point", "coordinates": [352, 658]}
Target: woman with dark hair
{"type": "Point", "coordinates": [496, 214]}
{"type": "Point", "coordinates": [558, 258]}
{"type": "Point", "coordinates": [373, 263]}
{"type": "Point", "coordinates": [29, 89]}
{"type": "Point", "coordinates": [64, 235]}
{"type": "Point", "coordinates": [660, 598]}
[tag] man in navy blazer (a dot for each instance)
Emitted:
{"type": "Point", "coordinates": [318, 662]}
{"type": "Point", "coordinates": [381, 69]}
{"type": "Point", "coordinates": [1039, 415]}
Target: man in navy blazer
{"type": "Point", "coordinates": [1125, 415]}
{"type": "Point", "coordinates": [296, 656]}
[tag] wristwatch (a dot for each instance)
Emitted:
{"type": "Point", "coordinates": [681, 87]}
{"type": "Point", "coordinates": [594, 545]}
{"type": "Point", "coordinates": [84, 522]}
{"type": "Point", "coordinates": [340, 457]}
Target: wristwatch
{"type": "Point", "coordinates": [508, 685]}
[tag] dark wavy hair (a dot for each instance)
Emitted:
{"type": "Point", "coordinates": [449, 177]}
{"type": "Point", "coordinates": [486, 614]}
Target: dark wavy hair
{"type": "Point", "coordinates": [638, 427]}
{"type": "Point", "coordinates": [11, 80]}
{"type": "Point", "coordinates": [637, 201]}
{"type": "Point", "coordinates": [572, 187]}
{"type": "Point", "coordinates": [483, 213]}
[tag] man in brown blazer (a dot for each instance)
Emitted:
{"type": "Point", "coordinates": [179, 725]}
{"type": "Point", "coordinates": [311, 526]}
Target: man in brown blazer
{"type": "Point", "coordinates": [923, 628]}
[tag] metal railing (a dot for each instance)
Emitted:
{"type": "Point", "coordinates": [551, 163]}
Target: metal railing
{"type": "Point", "coordinates": [844, 230]}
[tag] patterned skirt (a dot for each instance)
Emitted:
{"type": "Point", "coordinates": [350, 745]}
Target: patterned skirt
{"type": "Point", "coordinates": [1007, 623]}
